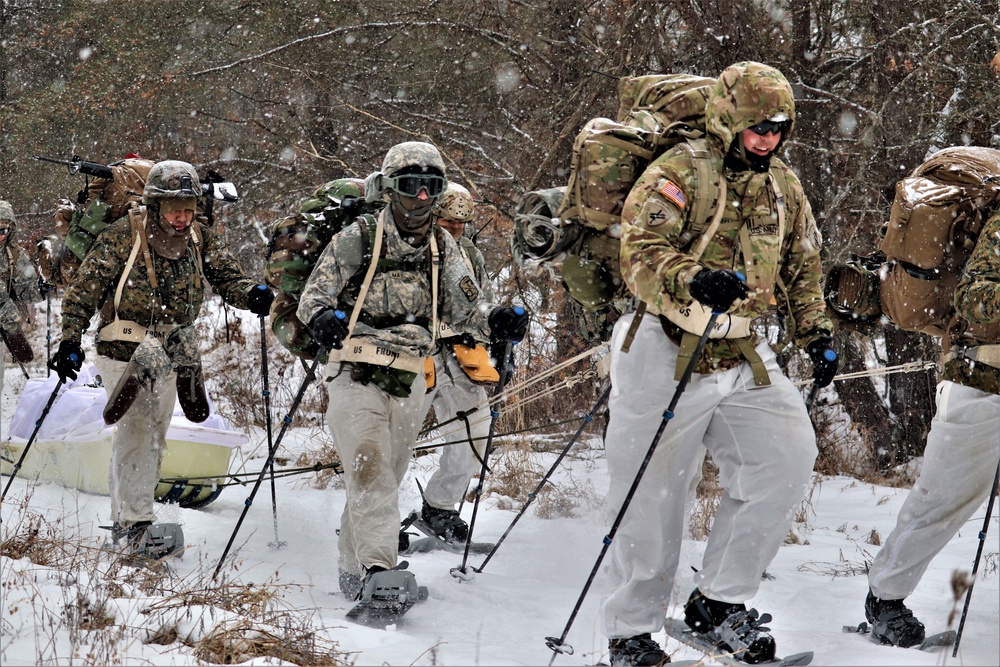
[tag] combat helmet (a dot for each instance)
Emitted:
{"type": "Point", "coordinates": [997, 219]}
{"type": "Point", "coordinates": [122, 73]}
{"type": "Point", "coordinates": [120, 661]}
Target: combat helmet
{"type": "Point", "coordinates": [171, 179]}
{"type": "Point", "coordinates": [455, 204]}
{"type": "Point", "coordinates": [746, 94]}
{"type": "Point", "coordinates": [418, 156]}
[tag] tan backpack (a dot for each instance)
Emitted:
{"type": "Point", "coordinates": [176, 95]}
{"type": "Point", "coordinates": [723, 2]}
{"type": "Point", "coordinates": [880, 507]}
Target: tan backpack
{"type": "Point", "coordinates": [936, 217]}
{"type": "Point", "coordinates": [582, 236]}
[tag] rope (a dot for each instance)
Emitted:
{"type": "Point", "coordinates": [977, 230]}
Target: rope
{"type": "Point", "coordinates": [909, 367]}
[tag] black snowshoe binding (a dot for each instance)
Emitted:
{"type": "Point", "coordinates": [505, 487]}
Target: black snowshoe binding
{"type": "Point", "coordinates": [733, 627]}
{"type": "Point", "coordinates": [146, 541]}
{"type": "Point", "coordinates": [638, 651]}
{"type": "Point", "coordinates": [892, 622]}
{"type": "Point", "coordinates": [386, 595]}
{"type": "Point", "coordinates": [445, 524]}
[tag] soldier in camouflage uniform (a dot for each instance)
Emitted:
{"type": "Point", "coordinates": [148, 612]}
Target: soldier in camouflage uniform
{"type": "Point", "coordinates": [21, 289]}
{"type": "Point", "coordinates": [146, 274]}
{"type": "Point", "coordinates": [738, 404]}
{"type": "Point", "coordinates": [455, 391]}
{"type": "Point", "coordinates": [375, 375]}
{"type": "Point", "coordinates": [960, 459]}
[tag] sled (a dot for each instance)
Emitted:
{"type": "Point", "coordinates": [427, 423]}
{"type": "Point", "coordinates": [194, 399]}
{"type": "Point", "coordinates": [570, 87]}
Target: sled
{"type": "Point", "coordinates": [73, 445]}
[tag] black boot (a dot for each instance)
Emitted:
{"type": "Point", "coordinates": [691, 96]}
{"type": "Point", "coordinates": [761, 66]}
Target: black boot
{"type": "Point", "coordinates": [730, 624]}
{"type": "Point", "coordinates": [892, 622]}
{"type": "Point", "coordinates": [638, 651]}
{"type": "Point", "coordinates": [446, 524]}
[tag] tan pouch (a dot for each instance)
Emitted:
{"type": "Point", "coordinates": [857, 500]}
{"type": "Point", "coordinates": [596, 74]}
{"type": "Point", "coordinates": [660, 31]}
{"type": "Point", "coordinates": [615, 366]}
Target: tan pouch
{"type": "Point", "coordinates": [475, 362]}
{"type": "Point", "coordinates": [429, 375]}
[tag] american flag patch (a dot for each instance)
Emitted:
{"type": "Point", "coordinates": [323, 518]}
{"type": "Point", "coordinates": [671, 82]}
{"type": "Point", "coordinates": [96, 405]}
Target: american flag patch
{"type": "Point", "coordinates": [674, 194]}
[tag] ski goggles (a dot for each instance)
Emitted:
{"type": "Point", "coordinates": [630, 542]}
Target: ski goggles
{"type": "Point", "coordinates": [775, 126]}
{"type": "Point", "coordinates": [4, 231]}
{"type": "Point", "coordinates": [411, 184]}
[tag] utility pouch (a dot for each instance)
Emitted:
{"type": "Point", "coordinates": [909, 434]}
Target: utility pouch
{"type": "Point", "coordinates": [430, 376]}
{"type": "Point", "coordinates": [475, 362]}
{"type": "Point", "coordinates": [191, 393]}
{"type": "Point", "coordinates": [148, 364]}
{"type": "Point", "coordinates": [18, 344]}
{"type": "Point", "coordinates": [392, 381]}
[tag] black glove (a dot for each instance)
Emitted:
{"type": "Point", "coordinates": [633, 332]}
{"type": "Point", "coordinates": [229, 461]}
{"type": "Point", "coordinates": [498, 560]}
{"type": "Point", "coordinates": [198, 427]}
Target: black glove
{"type": "Point", "coordinates": [508, 324]}
{"type": "Point", "coordinates": [44, 287]}
{"type": "Point", "coordinates": [824, 359]}
{"type": "Point", "coordinates": [328, 328]}
{"type": "Point", "coordinates": [718, 289]}
{"type": "Point", "coordinates": [259, 300]}
{"type": "Point", "coordinates": [67, 360]}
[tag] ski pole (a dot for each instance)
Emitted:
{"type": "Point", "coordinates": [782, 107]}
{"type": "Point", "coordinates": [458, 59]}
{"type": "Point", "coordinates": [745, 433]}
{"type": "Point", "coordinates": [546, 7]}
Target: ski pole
{"type": "Point", "coordinates": [310, 376]}
{"type": "Point", "coordinates": [38, 426]}
{"type": "Point", "coordinates": [558, 645]}
{"type": "Point", "coordinates": [975, 564]}
{"type": "Point", "coordinates": [505, 372]}
{"type": "Point", "coordinates": [587, 418]}
{"type": "Point", "coordinates": [266, 393]}
{"type": "Point", "coordinates": [830, 356]}
{"type": "Point", "coordinates": [48, 332]}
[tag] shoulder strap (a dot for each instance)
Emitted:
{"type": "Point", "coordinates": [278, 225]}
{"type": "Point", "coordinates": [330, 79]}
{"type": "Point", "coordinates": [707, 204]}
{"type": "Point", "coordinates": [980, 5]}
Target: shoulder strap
{"type": "Point", "coordinates": [374, 251]}
{"type": "Point", "coordinates": [138, 242]}
{"type": "Point", "coordinates": [197, 241]}
{"type": "Point", "coordinates": [701, 157]}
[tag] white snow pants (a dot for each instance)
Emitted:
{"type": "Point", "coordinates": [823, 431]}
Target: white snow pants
{"type": "Point", "coordinates": [138, 445]}
{"type": "Point", "coordinates": [760, 438]}
{"type": "Point", "coordinates": [960, 460]}
{"type": "Point", "coordinates": [455, 392]}
{"type": "Point", "coordinates": [374, 433]}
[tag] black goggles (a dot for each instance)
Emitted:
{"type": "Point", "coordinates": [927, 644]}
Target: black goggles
{"type": "Point", "coordinates": [775, 126]}
{"type": "Point", "coordinates": [4, 231]}
{"type": "Point", "coordinates": [411, 184]}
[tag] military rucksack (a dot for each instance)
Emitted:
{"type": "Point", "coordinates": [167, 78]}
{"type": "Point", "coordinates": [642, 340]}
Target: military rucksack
{"type": "Point", "coordinates": [578, 228]}
{"type": "Point", "coordinates": [295, 246]}
{"type": "Point", "coordinates": [99, 203]}
{"type": "Point", "coordinates": [936, 217]}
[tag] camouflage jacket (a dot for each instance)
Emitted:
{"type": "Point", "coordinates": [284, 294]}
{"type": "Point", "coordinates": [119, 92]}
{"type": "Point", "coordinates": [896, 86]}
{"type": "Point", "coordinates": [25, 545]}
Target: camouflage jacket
{"type": "Point", "coordinates": [177, 299]}
{"type": "Point", "coordinates": [977, 299]}
{"type": "Point", "coordinates": [658, 234]}
{"type": "Point", "coordinates": [20, 278]}
{"type": "Point", "coordinates": [400, 297]}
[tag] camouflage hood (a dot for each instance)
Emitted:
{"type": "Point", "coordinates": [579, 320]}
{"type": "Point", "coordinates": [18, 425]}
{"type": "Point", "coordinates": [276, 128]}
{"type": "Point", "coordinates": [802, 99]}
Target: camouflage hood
{"type": "Point", "coordinates": [745, 94]}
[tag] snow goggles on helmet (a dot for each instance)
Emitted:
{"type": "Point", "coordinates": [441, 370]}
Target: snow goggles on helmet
{"type": "Point", "coordinates": [765, 126]}
{"type": "Point", "coordinates": [411, 184]}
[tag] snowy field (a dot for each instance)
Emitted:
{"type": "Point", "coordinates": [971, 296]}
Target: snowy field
{"type": "Point", "coordinates": [500, 617]}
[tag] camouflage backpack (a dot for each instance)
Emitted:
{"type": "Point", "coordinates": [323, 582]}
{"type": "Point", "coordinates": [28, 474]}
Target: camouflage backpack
{"type": "Point", "coordinates": [577, 228]}
{"type": "Point", "coordinates": [295, 246]}
{"type": "Point", "coordinates": [98, 204]}
{"type": "Point", "coordinates": [936, 217]}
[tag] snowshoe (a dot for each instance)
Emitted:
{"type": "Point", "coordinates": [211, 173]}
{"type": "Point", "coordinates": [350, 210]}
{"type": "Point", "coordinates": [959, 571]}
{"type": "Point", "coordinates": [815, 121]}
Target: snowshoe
{"type": "Point", "coordinates": [385, 596]}
{"type": "Point", "coordinates": [731, 626]}
{"type": "Point", "coordinates": [432, 542]}
{"type": "Point", "coordinates": [946, 638]}
{"type": "Point", "coordinates": [892, 622]}
{"type": "Point", "coordinates": [638, 651]}
{"type": "Point", "coordinates": [717, 651]}
{"type": "Point", "coordinates": [145, 542]}
{"type": "Point", "coordinates": [446, 524]}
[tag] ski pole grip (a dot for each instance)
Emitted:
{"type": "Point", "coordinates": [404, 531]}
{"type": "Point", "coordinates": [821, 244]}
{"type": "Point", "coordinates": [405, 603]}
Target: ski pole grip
{"type": "Point", "coordinates": [518, 310]}
{"type": "Point", "coordinates": [73, 357]}
{"type": "Point", "coordinates": [340, 315]}
{"type": "Point", "coordinates": [830, 355]}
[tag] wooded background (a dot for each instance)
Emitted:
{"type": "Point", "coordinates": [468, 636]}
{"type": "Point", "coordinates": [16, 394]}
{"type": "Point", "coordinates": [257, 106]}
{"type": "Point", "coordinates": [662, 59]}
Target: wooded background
{"type": "Point", "coordinates": [281, 96]}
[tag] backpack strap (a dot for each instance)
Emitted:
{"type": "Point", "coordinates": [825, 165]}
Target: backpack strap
{"type": "Point", "coordinates": [374, 251]}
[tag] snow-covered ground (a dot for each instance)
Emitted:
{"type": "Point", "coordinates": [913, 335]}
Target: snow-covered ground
{"type": "Point", "coordinates": [500, 617]}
